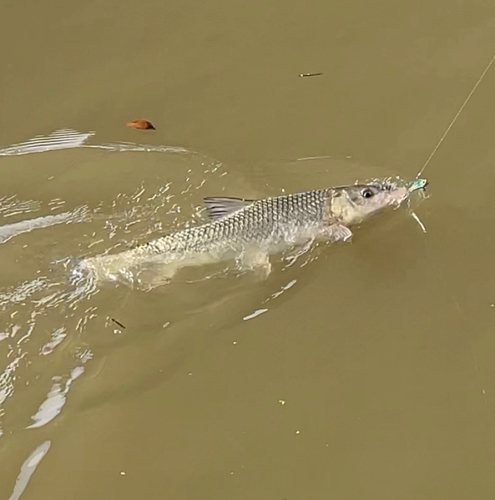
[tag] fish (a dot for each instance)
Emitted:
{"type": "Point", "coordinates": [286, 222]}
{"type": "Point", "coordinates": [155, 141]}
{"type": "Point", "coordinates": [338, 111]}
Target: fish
{"type": "Point", "coordinates": [252, 231]}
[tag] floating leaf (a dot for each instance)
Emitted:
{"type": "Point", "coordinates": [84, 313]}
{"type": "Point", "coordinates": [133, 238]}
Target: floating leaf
{"type": "Point", "coordinates": [141, 125]}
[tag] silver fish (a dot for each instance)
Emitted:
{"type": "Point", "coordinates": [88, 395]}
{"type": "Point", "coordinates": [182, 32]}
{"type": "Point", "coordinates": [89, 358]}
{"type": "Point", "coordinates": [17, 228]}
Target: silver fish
{"type": "Point", "coordinates": [250, 231]}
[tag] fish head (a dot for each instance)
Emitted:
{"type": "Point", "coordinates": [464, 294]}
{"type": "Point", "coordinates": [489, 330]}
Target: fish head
{"type": "Point", "coordinates": [353, 204]}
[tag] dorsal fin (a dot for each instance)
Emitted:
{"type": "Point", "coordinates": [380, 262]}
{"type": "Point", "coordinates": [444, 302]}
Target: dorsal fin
{"type": "Point", "coordinates": [221, 207]}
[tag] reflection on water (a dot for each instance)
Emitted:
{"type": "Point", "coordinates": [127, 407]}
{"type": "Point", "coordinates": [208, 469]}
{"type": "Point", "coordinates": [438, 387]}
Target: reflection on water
{"type": "Point", "coordinates": [27, 469]}
{"type": "Point", "coordinates": [56, 398]}
{"type": "Point", "coordinates": [60, 139]}
{"type": "Point", "coordinates": [71, 139]}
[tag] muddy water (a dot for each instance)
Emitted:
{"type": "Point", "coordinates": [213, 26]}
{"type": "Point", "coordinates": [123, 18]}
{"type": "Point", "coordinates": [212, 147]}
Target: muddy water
{"type": "Point", "coordinates": [360, 371]}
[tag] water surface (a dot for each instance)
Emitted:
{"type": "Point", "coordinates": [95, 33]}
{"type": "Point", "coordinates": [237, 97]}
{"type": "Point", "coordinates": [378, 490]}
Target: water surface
{"type": "Point", "coordinates": [360, 371]}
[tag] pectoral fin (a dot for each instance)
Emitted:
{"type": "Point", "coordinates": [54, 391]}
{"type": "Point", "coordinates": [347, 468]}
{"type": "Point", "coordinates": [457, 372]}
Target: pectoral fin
{"type": "Point", "coordinates": [337, 232]}
{"type": "Point", "coordinates": [255, 260]}
{"type": "Point", "coordinates": [156, 274]}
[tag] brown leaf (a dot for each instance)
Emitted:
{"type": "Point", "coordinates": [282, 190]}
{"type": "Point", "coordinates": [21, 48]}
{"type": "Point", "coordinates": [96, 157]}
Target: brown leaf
{"type": "Point", "coordinates": [141, 125]}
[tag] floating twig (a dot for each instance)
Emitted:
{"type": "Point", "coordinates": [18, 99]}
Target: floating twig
{"type": "Point", "coordinates": [118, 323]}
{"type": "Point", "coordinates": [304, 75]}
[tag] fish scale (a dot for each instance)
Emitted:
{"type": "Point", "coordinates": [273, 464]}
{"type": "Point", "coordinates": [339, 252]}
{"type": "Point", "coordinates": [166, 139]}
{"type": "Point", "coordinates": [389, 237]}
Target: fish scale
{"type": "Point", "coordinates": [258, 221]}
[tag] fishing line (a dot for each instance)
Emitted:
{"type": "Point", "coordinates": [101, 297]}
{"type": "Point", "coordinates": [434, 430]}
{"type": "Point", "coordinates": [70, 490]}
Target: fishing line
{"type": "Point", "coordinates": [457, 115]}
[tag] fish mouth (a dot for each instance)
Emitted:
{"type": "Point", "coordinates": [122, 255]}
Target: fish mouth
{"type": "Point", "coordinates": [398, 196]}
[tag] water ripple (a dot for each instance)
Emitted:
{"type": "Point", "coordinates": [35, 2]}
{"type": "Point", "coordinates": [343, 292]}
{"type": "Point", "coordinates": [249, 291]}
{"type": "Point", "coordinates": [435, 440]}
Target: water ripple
{"type": "Point", "coordinates": [46, 316]}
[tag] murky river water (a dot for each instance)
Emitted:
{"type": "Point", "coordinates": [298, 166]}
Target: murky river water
{"type": "Point", "coordinates": [362, 371]}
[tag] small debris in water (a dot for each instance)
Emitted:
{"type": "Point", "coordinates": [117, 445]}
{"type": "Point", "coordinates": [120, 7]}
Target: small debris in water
{"type": "Point", "coordinates": [118, 323]}
{"type": "Point", "coordinates": [418, 220]}
{"type": "Point", "coordinates": [305, 75]}
{"type": "Point", "coordinates": [281, 401]}
{"type": "Point", "coordinates": [313, 158]}
{"type": "Point", "coordinates": [298, 432]}
{"type": "Point", "coordinates": [255, 314]}
{"type": "Point", "coordinates": [122, 473]}
{"type": "Point", "coordinates": [141, 125]}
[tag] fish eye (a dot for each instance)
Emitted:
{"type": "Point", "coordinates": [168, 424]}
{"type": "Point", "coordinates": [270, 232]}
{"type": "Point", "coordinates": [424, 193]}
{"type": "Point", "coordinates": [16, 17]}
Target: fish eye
{"type": "Point", "coordinates": [367, 193]}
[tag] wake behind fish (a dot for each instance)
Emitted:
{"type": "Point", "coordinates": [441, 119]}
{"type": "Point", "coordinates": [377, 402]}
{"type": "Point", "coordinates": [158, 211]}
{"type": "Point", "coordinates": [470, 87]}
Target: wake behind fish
{"type": "Point", "coordinates": [44, 311]}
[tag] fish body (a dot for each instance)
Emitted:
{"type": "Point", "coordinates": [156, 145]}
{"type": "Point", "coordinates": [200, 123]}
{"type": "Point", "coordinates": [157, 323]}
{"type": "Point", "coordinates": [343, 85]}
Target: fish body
{"type": "Point", "coordinates": [252, 230]}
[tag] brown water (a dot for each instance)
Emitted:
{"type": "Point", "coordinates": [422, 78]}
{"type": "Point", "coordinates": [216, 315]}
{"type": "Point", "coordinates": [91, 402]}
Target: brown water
{"type": "Point", "coordinates": [364, 371]}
